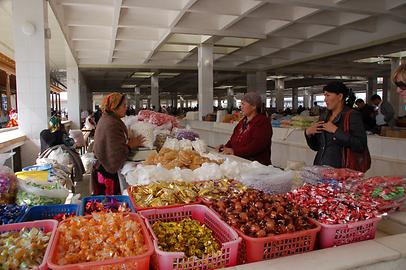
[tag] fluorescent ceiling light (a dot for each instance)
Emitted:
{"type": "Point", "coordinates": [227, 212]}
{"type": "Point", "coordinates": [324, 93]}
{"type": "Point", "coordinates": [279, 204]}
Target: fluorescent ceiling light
{"type": "Point", "coordinates": [142, 74]}
{"type": "Point", "coordinates": [128, 85]}
{"type": "Point", "coordinates": [223, 87]}
{"type": "Point", "coordinates": [274, 77]}
{"type": "Point", "coordinates": [167, 75]}
{"type": "Point", "coordinates": [400, 54]}
{"type": "Point", "coordinates": [371, 60]}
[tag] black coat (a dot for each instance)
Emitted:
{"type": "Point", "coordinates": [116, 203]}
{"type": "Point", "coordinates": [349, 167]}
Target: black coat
{"type": "Point", "coordinates": [330, 146]}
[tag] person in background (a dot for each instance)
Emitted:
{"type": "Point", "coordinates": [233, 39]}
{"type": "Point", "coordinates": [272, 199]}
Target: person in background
{"type": "Point", "coordinates": [385, 113]}
{"type": "Point", "coordinates": [399, 79]}
{"type": "Point", "coordinates": [97, 114]}
{"type": "Point", "coordinates": [368, 114]}
{"type": "Point", "coordinates": [251, 138]}
{"type": "Point", "coordinates": [111, 145]}
{"type": "Point", "coordinates": [327, 137]}
{"type": "Point", "coordinates": [54, 135]}
{"type": "Point", "coordinates": [300, 109]}
{"type": "Point", "coordinates": [315, 110]}
{"type": "Point", "coordinates": [83, 116]}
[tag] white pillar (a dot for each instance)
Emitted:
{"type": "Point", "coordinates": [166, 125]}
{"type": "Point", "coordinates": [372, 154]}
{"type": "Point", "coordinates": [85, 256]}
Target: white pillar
{"type": "Point", "coordinates": [280, 88]}
{"type": "Point", "coordinates": [73, 85]}
{"type": "Point", "coordinates": [205, 93]}
{"type": "Point", "coordinates": [260, 78]}
{"type": "Point", "coordinates": [307, 99]}
{"type": "Point", "coordinates": [155, 92]}
{"type": "Point", "coordinates": [137, 93]}
{"type": "Point", "coordinates": [295, 98]}
{"type": "Point", "coordinates": [311, 100]}
{"type": "Point", "coordinates": [30, 19]}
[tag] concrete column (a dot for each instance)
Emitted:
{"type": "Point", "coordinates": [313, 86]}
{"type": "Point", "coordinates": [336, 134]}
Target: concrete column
{"type": "Point", "coordinates": [260, 77]}
{"type": "Point", "coordinates": [175, 100]}
{"type": "Point", "coordinates": [155, 92]}
{"type": "Point", "coordinates": [73, 104]}
{"type": "Point", "coordinates": [280, 88]}
{"type": "Point", "coordinates": [137, 93]}
{"type": "Point", "coordinates": [295, 98]}
{"type": "Point", "coordinates": [251, 82]}
{"type": "Point", "coordinates": [8, 92]}
{"type": "Point", "coordinates": [205, 67]}
{"type": "Point", "coordinates": [372, 88]}
{"type": "Point", "coordinates": [307, 99]}
{"type": "Point", "coordinates": [230, 98]}
{"type": "Point", "coordinates": [29, 21]}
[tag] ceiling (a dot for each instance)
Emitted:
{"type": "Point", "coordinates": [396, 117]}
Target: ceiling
{"type": "Point", "coordinates": [246, 34]}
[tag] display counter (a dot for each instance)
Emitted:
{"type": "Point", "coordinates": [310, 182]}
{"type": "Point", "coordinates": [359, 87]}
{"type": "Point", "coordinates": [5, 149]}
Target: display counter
{"type": "Point", "coordinates": [10, 139]}
{"type": "Point", "coordinates": [288, 144]}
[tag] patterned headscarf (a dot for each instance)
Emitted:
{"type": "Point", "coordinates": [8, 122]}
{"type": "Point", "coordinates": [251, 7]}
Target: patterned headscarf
{"type": "Point", "coordinates": [111, 102]}
{"type": "Point", "coordinates": [54, 123]}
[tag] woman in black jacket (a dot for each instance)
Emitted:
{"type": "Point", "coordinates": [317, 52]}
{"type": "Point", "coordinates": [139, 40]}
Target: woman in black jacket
{"type": "Point", "coordinates": [328, 137]}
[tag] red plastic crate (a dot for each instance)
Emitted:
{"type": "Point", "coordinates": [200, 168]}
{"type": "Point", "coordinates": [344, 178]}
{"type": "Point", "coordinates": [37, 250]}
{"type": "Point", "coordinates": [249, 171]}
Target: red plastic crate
{"type": "Point", "coordinates": [44, 225]}
{"type": "Point", "coordinates": [176, 260]}
{"type": "Point", "coordinates": [138, 208]}
{"type": "Point", "coordinates": [140, 262]}
{"type": "Point", "coordinates": [271, 247]}
{"type": "Point", "coordinates": [342, 234]}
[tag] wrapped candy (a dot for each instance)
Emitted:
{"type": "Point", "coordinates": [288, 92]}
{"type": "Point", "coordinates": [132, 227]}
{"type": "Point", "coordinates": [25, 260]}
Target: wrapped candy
{"type": "Point", "coordinates": [214, 190]}
{"type": "Point", "coordinates": [109, 204]}
{"type": "Point", "coordinates": [342, 178]}
{"type": "Point", "coordinates": [331, 206]}
{"type": "Point", "coordinates": [186, 134]}
{"type": "Point", "coordinates": [144, 115]}
{"type": "Point", "coordinates": [23, 249]}
{"type": "Point", "coordinates": [188, 236]}
{"type": "Point", "coordinates": [8, 181]}
{"type": "Point", "coordinates": [9, 213]}
{"type": "Point", "coordinates": [163, 194]}
{"type": "Point", "coordinates": [100, 237]}
{"type": "Point", "coordinates": [258, 214]}
{"type": "Point", "coordinates": [160, 119]}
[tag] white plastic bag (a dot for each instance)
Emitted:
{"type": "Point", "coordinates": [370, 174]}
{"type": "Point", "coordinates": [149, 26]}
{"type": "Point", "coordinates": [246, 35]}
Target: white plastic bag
{"type": "Point", "coordinates": [270, 183]}
{"type": "Point", "coordinates": [185, 144]}
{"type": "Point", "coordinates": [78, 137]}
{"type": "Point", "coordinates": [199, 146]}
{"type": "Point", "coordinates": [146, 130]}
{"type": "Point", "coordinates": [60, 156]}
{"type": "Point", "coordinates": [42, 193]}
{"type": "Point", "coordinates": [208, 171]}
{"type": "Point", "coordinates": [88, 161]}
{"type": "Point", "coordinates": [171, 143]}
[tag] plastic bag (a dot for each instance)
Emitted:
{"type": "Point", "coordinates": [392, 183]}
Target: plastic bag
{"type": "Point", "coordinates": [208, 171]}
{"type": "Point", "coordinates": [199, 146]}
{"type": "Point", "coordinates": [144, 175]}
{"type": "Point", "coordinates": [186, 175]}
{"type": "Point", "coordinates": [31, 192]}
{"type": "Point", "coordinates": [60, 156]}
{"type": "Point", "coordinates": [171, 143]}
{"type": "Point", "coordinates": [146, 130]}
{"type": "Point", "coordinates": [185, 144]}
{"type": "Point", "coordinates": [269, 183]}
{"type": "Point", "coordinates": [186, 134]}
{"type": "Point", "coordinates": [88, 161]}
{"type": "Point", "coordinates": [77, 135]}
{"type": "Point", "coordinates": [8, 181]}
{"type": "Point", "coordinates": [340, 178]}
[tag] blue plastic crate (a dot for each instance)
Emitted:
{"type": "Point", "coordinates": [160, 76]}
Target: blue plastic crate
{"type": "Point", "coordinates": [120, 198]}
{"type": "Point", "coordinates": [41, 212]}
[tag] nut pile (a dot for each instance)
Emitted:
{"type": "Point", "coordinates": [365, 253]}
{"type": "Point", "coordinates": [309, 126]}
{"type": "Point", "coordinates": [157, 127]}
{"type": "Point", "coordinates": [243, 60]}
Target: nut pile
{"type": "Point", "coordinates": [188, 236]}
{"type": "Point", "coordinates": [184, 159]}
{"type": "Point", "coordinates": [216, 189]}
{"type": "Point", "coordinates": [257, 214]}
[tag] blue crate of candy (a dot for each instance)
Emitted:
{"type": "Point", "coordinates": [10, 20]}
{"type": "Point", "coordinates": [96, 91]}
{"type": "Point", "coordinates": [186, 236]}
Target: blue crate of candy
{"type": "Point", "coordinates": [114, 203]}
{"type": "Point", "coordinates": [55, 211]}
{"type": "Point", "coordinates": [11, 213]}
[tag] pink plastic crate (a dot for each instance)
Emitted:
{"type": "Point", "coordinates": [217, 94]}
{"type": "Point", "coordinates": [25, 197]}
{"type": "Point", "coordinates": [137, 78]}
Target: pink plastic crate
{"type": "Point", "coordinates": [176, 260]}
{"type": "Point", "coordinates": [342, 234]}
{"type": "Point", "coordinates": [140, 262]}
{"type": "Point", "coordinates": [44, 225]}
{"type": "Point", "coordinates": [271, 247]}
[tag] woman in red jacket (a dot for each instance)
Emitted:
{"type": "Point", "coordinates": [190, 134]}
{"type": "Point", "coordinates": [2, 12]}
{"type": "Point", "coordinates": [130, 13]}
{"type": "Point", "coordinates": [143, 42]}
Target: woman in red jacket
{"type": "Point", "coordinates": [252, 136]}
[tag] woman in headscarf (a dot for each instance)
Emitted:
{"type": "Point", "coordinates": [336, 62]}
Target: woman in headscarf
{"type": "Point", "coordinates": [54, 135]}
{"type": "Point", "coordinates": [111, 145]}
{"type": "Point", "coordinates": [251, 138]}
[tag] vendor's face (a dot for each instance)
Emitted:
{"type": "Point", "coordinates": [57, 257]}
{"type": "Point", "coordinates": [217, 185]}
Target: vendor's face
{"type": "Point", "coordinates": [333, 100]}
{"type": "Point", "coordinates": [120, 111]}
{"type": "Point", "coordinates": [247, 109]}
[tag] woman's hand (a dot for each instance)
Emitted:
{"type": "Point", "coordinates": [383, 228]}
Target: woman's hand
{"type": "Point", "coordinates": [136, 141]}
{"type": "Point", "coordinates": [315, 129]}
{"type": "Point", "coordinates": [329, 127]}
{"type": "Point", "coordinates": [228, 151]}
{"type": "Point", "coordinates": [220, 148]}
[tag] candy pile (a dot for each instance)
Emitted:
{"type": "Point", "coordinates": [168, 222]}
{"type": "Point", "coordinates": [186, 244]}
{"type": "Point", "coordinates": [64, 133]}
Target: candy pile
{"type": "Point", "coordinates": [100, 237]}
{"type": "Point", "coordinates": [24, 249]}
{"type": "Point", "coordinates": [108, 204]}
{"type": "Point", "coordinates": [62, 216]}
{"type": "Point", "coordinates": [382, 192]}
{"type": "Point", "coordinates": [9, 213]}
{"type": "Point", "coordinates": [170, 159]}
{"type": "Point", "coordinates": [8, 185]}
{"type": "Point", "coordinates": [188, 236]}
{"type": "Point", "coordinates": [186, 134]}
{"type": "Point", "coordinates": [216, 189]}
{"type": "Point", "coordinates": [331, 206]}
{"type": "Point", "coordinates": [258, 214]}
{"type": "Point", "coordinates": [341, 178]}
{"type": "Point", "coordinates": [163, 194]}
